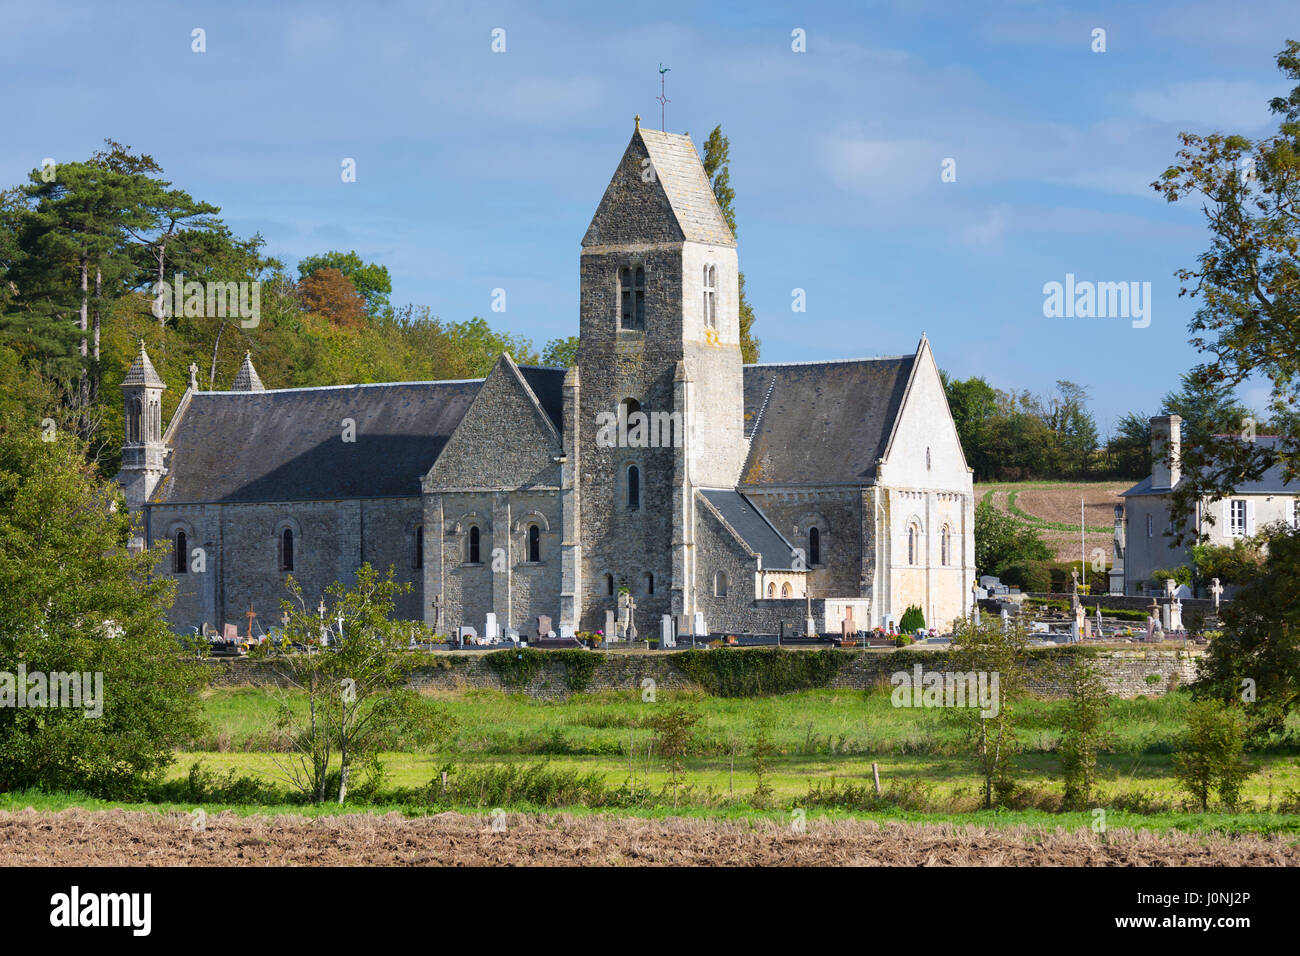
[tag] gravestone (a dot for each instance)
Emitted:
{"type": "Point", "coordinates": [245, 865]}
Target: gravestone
{"type": "Point", "coordinates": [848, 629]}
{"type": "Point", "coordinates": [543, 625]}
{"type": "Point", "coordinates": [666, 637]}
{"type": "Point", "coordinates": [701, 630]}
{"type": "Point", "coordinates": [466, 634]}
{"type": "Point", "coordinates": [490, 628]}
{"type": "Point", "coordinates": [566, 630]}
{"type": "Point", "coordinates": [611, 629]}
{"type": "Point", "coordinates": [1078, 626]}
{"type": "Point", "coordinates": [1175, 615]}
{"type": "Point", "coordinates": [512, 635]}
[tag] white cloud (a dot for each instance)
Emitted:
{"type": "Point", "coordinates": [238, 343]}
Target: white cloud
{"type": "Point", "coordinates": [989, 231]}
{"type": "Point", "coordinates": [1208, 104]}
{"type": "Point", "coordinates": [882, 168]}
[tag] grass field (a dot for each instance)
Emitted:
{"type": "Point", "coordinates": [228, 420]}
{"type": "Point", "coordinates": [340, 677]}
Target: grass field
{"type": "Point", "coordinates": [824, 742]}
{"type": "Point", "coordinates": [1052, 508]}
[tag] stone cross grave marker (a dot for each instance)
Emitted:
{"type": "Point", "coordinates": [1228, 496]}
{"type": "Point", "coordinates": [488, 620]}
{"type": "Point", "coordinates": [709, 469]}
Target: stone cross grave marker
{"type": "Point", "coordinates": [438, 606]}
{"type": "Point", "coordinates": [1216, 589]}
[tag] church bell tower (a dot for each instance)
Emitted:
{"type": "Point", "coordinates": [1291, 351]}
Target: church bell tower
{"type": "Point", "coordinates": [660, 361]}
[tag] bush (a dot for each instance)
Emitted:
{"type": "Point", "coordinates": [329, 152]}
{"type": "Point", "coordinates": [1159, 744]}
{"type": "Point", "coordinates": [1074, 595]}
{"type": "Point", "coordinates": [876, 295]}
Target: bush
{"type": "Point", "coordinates": [758, 672]}
{"type": "Point", "coordinates": [1209, 754]}
{"type": "Point", "coordinates": [912, 620]}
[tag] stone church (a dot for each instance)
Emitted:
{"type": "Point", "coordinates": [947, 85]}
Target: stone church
{"type": "Point", "coordinates": [747, 496]}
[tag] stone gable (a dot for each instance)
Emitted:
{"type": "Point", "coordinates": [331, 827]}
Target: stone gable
{"type": "Point", "coordinates": [504, 441]}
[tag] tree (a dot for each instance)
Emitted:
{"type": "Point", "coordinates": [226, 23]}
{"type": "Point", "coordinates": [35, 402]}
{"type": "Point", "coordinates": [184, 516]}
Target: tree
{"type": "Point", "coordinates": [1074, 427]}
{"type": "Point", "coordinates": [1206, 409]}
{"type": "Point", "coordinates": [76, 600]}
{"type": "Point", "coordinates": [673, 728]}
{"type": "Point", "coordinates": [1248, 283]}
{"type": "Point", "coordinates": [561, 353]}
{"type": "Point", "coordinates": [1087, 703]}
{"type": "Point", "coordinates": [1001, 540]}
{"type": "Point", "coordinates": [1257, 658]}
{"type": "Point", "coordinates": [974, 404]}
{"type": "Point", "coordinates": [1129, 447]}
{"type": "Point", "coordinates": [1209, 754]}
{"type": "Point", "coordinates": [356, 692]}
{"type": "Point", "coordinates": [479, 346]}
{"type": "Point", "coordinates": [717, 159]}
{"type": "Point", "coordinates": [370, 279]}
{"type": "Point", "coordinates": [328, 292]}
{"type": "Point", "coordinates": [992, 649]}
{"type": "Point", "coordinates": [762, 750]}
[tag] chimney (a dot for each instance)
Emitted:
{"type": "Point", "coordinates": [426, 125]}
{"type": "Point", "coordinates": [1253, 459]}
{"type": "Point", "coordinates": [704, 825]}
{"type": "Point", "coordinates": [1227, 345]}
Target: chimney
{"type": "Point", "coordinates": [1166, 451]}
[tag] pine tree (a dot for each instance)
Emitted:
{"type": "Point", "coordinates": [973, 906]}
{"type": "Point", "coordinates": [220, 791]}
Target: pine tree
{"type": "Point", "coordinates": [717, 157]}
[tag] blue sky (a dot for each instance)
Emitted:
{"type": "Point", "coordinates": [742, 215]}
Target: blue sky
{"type": "Point", "coordinates": [478, 170]}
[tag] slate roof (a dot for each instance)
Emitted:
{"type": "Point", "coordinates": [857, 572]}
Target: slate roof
{"type": "Point", "coordinates": [678, 167]}
{"type": "Point", "coordinates": [286, 444]}
{"type": "Point", "coordinates": [820, 422]}
{"type": "Point", "coordinates": [753, 528]}
{"type": "Point", "coordinates": [247, 379]}
{"type": "Point", "coordinates": [142, 371]}
{"type": "Point", "coordinates": [1269, 483]}
{"type": "Point", "coordinates": [548, 385]}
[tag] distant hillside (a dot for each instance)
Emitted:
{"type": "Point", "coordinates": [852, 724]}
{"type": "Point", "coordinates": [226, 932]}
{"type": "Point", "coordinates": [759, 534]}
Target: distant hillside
{"type": "Point", "coordinates": [1052, 507]}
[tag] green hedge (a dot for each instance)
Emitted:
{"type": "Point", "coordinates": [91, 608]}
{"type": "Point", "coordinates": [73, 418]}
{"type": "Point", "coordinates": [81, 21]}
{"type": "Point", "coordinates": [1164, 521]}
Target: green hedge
{"type": "Point", "coordinates": [759, 672]}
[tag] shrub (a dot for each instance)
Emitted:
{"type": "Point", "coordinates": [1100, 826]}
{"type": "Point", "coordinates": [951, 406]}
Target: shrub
{"type": "Point", "coordinates": [1209, 754]}
{"type": "Point", "coordinates": [913, 619]}
{"type": "Point", "coordinates": [758, 672]}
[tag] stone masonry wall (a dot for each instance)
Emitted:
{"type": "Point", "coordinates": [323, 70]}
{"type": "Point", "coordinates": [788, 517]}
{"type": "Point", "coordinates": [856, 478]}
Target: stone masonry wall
{"type": "Point", "coordinates": [1128, 674]}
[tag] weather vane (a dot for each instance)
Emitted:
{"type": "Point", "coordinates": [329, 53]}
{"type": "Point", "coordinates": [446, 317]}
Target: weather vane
{"type": "Point", "coordinates": [663, 100]}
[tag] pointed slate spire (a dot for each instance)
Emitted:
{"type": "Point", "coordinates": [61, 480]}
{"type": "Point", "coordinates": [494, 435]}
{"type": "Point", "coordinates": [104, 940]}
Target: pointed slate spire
{"type": "Point", "coordinates": [142, 372]}
{"type": "Point", "coordinates": [246, 379]}
{"type": "Point", "coordinates": [659, 193]}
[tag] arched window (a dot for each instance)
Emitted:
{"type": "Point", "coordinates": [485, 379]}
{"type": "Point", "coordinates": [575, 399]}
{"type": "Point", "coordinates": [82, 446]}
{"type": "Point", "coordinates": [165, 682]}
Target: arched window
{"type": "Point", "coordinates": [814, 546]}
{"type": "Point", "coordinates": [473, 555]}
{"type": "Point", "coordinates": [419, 546]}
{"type": "Point", "coordinates": [626, 408]}
{"type": "Point", "coordinates": [720, 584]}
{"type": "Point", "coordinates": [286, 549]}
{"type": "Point", "coordinates": [944, 544]}
{"type": "Point", "coordinates": [785, 592]}
{"type": "Point", "coordinates": [632, 298]}
{"type": "Point", "coordinates": [134, 425]}
{"type": "Point", "coordinates": [649, 583]}
{"type": "Point", "coordinates": [927, 457]}
{"type": "Point", "coordinates": [534, 543]}
{"type": "Point", "coordinates": [771, 590]}
{"type": "Point", "coordinates": [633, 488]}
{"type": "Point", "coordinates": [182, 553]}
{"type": "Point", "coordinates": [609, 585]}
{"type": "Point", "coordinates": [911, 544]}
{"type": "Point", "coordinates": [710, 297]}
